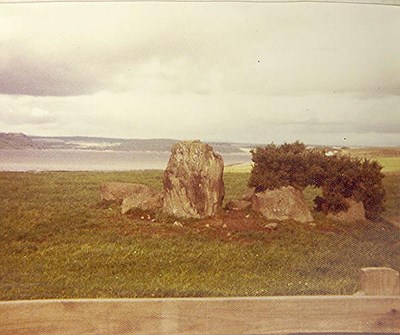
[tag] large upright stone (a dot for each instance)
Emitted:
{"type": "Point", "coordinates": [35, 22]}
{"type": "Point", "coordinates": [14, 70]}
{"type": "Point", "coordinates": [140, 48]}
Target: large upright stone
{"type": "Point", "coordinates": [285, 203]}
{"type": "Point", "coordinates": [193, 184]}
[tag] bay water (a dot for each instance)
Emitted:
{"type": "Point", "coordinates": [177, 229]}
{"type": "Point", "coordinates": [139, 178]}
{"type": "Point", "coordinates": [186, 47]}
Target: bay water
{"type": "Point", "coordinates": [94, 160]}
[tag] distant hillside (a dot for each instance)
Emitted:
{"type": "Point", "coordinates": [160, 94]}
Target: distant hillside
{"type": "Point", "coordinates": [225, 148]}
{"type": "Point", "coordinates": [118, 144]}
{"type": "Point", "coordinates": [145, 145]}
{"type": "Point", "coordinates": [17, 141]}
{"type": "Point", "coordinates": [166, 144]}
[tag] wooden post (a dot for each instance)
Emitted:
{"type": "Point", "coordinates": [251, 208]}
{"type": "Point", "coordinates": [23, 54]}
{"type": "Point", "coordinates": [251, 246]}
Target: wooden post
{"type": "Point", "coordinates": [380, 281]}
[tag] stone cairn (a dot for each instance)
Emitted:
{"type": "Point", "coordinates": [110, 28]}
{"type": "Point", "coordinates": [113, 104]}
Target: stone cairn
{"type": "Point", "coordinates": [194, 188]}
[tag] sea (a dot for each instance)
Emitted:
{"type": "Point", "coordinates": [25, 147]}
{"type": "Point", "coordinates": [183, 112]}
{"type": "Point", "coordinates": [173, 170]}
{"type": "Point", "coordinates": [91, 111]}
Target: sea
{"type": "Point", "coordinates": [94, 160]}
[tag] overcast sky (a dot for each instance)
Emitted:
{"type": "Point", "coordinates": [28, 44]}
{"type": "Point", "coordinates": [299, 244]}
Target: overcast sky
{"type": "Point", "coordinates": [319, 73]}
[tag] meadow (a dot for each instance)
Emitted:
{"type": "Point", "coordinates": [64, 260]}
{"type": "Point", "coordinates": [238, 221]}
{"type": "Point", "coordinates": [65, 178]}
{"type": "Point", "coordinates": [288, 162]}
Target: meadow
{"type": "Point", "coordinates": [57, 240]}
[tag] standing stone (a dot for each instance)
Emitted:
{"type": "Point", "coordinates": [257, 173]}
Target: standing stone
{"type": "Point", "coordinates": [193, 181]}
{"type": "Point", "coordinates": [285, 203]}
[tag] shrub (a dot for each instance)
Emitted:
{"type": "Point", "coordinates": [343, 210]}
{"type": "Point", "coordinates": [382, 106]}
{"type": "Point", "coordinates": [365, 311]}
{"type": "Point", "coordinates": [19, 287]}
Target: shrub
{"type": "Point", "coordinates": [339, 177]}
{"type": "Point", "coordinates": [370, 188]}
{"type": "Point", "coordinates": [276, 166]}
{"type": "Point", "coordinates": [340, 182]}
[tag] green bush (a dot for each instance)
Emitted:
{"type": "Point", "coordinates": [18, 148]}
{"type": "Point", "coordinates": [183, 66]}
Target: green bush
{"type": "Point", "coordinates": [280, 165]}
{"type": "Point", "coordinates": [339, 177]}
{"type": "Point", "coordinates": [370, 188]}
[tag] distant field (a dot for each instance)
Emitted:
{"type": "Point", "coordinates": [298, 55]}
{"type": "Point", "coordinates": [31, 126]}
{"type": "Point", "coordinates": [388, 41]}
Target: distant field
{"type": "Point", "coordinates": [389, 158]}
{"type": "Point", "coordinates": [238, 168]}
{"type": "Point", "coordinates": [374, 152]}
{"type": "Point", "coordinates": [390, 164]}
{"type": "Point", "coordinates": [58, 241]}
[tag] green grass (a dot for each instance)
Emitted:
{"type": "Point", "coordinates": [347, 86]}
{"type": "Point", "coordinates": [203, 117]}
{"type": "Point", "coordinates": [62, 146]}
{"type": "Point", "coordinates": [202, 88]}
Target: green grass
{"type": "Point", "coordinates": [389, 158]}
{"type": "Point", "coordinates": [390, 164]}
{"type": "Point", "coordinates": [238, 168]}
{"type": "Point", "coordinates": [58, 241]}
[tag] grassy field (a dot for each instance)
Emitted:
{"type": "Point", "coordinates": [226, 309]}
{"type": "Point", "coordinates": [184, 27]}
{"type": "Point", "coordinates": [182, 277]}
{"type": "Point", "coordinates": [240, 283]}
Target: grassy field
{"type": "Point", "coordinates": [58, 241]}
{"type": "Point", "coordinates": [389, 158]}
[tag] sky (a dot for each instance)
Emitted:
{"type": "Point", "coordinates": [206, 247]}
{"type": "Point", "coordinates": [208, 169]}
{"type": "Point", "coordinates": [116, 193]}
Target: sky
{"type": "Point", "coordinates": [321, 73]}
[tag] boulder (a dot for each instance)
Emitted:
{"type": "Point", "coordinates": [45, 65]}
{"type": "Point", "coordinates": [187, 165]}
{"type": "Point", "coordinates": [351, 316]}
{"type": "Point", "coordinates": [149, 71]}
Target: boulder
{"type": "Point", "coordinates": [238, 205]}
{"type": "Point", "coordinates": [145, 199]}
{"type": "Point", "coordinates": [285, 203]}
{"type": "Point", "coordinates": [355, 212]}
{"type": "Point", "coordinates": [193, 184]}
{"type": "Point", "coordinates": [114, 191]}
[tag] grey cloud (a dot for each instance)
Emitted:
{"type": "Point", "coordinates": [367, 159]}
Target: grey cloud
{"type": "Point", "coordinates": [25, 72]}
{"type": "Point", "coordinates": [388, 127]}
{"type": "Point", "coordinates": [357, 127]}
{"type": "Point", "coordinates": [241, 72]}
{"type": "Point", "coordinates": [255, 119]}
{"type": "Point", "coordinates": [239, 48]}
{"type": "Point", "coordinates": [21, 115]}
{"type": "Point", "coordinates": [56, 58]}
{"type": "Point", "coordinates": [377, 91]}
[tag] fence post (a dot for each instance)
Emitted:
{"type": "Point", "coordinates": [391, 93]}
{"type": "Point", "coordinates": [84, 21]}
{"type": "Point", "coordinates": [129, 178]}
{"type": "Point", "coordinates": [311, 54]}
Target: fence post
{"type": "Point", "coordinates": [380, 281]}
